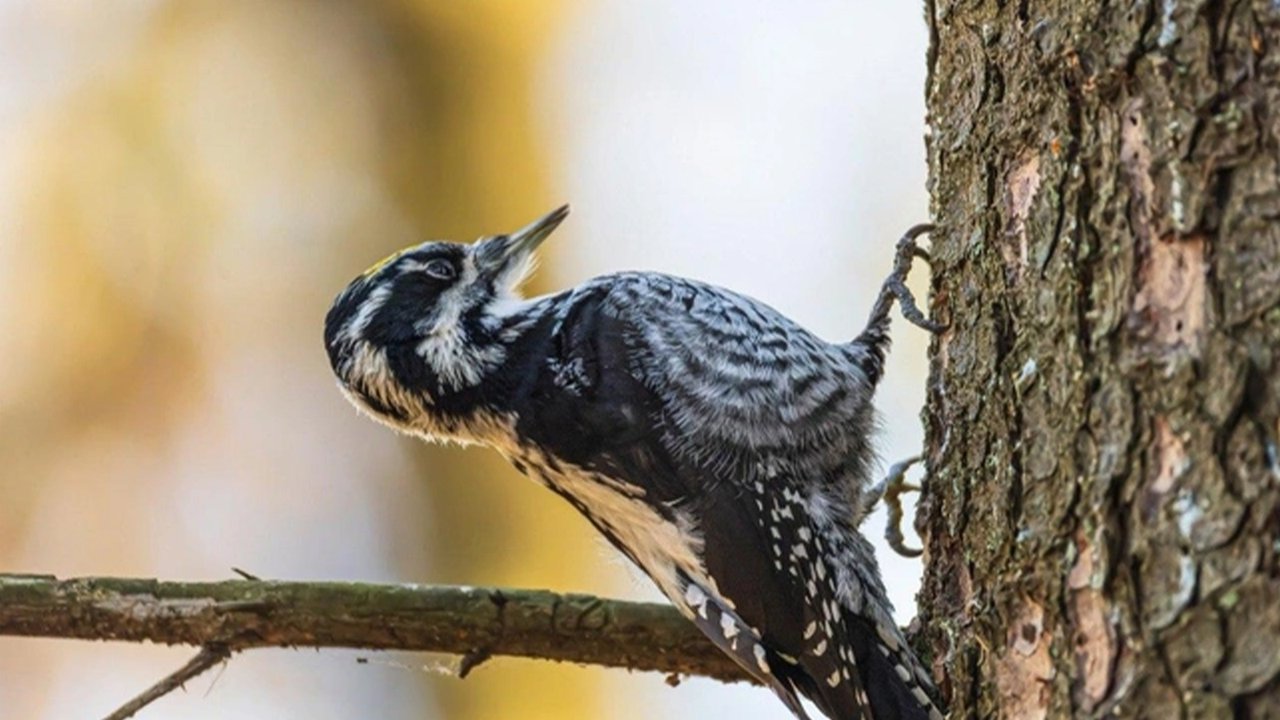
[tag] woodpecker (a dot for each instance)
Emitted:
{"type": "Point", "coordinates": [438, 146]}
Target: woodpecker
{"type": "Point", "coordinates": [721, 447]}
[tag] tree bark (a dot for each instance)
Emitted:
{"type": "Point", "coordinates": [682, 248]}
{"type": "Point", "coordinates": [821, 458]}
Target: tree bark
{"type": "Point", "coordinates": [1101, 515]}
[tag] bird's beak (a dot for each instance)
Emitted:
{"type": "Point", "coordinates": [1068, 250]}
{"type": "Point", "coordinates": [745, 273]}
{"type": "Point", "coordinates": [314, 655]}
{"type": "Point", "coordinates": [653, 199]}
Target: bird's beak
{"type": "Point", "coordinates": [496, 256]}
{"type": "Point", "coordinates": [529, 237]}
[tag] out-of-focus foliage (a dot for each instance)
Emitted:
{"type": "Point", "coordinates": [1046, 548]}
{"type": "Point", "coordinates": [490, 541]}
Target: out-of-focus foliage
{"type": "Point", "coordinates": [190, 184]}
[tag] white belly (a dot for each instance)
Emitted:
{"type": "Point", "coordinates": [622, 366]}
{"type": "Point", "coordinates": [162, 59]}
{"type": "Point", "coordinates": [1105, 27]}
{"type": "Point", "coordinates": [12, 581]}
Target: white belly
{"type": "Point", "coordinates": [662, 547]}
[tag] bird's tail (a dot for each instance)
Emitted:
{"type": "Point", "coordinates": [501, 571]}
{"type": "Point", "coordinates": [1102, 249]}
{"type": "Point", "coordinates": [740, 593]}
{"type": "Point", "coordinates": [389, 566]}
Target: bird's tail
{"type": "Point", "coordinates": [884, 681]}
{"type": "Point", "coordinates": [887, 685]}
{"type": "Point", "coordinates": [896, 685]}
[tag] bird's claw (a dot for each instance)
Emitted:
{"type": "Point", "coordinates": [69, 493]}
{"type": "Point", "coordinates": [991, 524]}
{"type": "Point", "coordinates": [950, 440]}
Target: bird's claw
{"type": "Point", "coordinates": [897, 283]}
{"type": "Point", "coordinates": [891, 489]}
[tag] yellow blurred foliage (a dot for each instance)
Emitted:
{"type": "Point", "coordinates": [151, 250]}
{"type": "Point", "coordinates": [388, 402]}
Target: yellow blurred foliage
{"type": "Point", "coordinates": [193, 192]}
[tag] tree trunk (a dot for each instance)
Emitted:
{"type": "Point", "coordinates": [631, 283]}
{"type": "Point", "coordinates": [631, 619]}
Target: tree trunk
{"type": "Point", "coordinates": [1101, 513]}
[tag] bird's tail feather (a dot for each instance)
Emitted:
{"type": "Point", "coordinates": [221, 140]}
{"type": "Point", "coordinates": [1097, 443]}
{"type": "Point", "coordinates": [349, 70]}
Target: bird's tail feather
{"type": "Point", "coordinates": [890, 677]}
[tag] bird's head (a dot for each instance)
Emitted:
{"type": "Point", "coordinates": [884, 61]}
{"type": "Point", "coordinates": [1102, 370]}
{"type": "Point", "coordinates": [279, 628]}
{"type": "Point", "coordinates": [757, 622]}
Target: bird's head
{"type": "Point", "coordinates": [428, 321]}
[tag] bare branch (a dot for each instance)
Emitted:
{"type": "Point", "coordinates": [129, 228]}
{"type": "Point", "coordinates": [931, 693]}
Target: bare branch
{"type": "Point", "coordinates": [472, 622]}
{"type": "Point", "coordinates": [208, 656]}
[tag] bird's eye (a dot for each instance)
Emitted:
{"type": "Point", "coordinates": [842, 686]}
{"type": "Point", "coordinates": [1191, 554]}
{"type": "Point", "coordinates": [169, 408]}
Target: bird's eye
{"type": "Point", "coordinates": [440, 269]}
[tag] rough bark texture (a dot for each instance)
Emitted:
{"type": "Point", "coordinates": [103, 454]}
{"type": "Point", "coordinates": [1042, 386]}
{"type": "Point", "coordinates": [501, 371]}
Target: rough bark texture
{"type": "Point", "coordinates": [473, 622]}
{"type": "Point", "coordinates": [1102, 517]}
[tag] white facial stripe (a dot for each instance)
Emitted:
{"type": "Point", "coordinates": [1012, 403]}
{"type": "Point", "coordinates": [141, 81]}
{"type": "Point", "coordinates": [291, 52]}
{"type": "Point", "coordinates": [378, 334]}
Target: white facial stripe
{"type": "Point", "coordinates": [458, 363]}
{"type": "Point", "coordinates": [412, 266]}
{"type": "Point", "coordinates": [457, 360]}
{"type": "Point", "coordinates": [451, 303]}
{"type": "Point", "coordinates": [355, 327]}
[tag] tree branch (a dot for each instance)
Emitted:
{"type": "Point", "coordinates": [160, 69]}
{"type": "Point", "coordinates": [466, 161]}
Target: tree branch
{"type": "Point", "coordinates": [208, 656]}
{"type": "Point", "coordinates": [473, 622]}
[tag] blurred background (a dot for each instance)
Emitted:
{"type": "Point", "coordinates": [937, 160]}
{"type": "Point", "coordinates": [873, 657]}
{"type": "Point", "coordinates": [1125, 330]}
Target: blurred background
{"type": "Point", "coordinates": [184, 186]}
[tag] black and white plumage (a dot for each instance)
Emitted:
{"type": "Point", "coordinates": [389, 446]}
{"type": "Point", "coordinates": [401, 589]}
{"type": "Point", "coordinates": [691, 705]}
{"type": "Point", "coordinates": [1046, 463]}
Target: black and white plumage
{"type": "Point", "coordinates": [717, 444]}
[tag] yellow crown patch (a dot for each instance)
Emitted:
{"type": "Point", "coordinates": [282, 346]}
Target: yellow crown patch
{"type": "Point", "coordinates": [383, 263]}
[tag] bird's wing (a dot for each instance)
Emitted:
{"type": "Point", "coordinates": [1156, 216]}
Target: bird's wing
{"type": "Point", "coordinates": [717, 408]}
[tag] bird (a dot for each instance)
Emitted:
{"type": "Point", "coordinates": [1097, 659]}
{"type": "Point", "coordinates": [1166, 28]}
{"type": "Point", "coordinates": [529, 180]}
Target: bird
{"type": "Point", "coordinates": [720, 446]}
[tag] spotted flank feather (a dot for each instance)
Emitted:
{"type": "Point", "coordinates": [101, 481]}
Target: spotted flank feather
{"type": "Point", "coordinates": [739, 641]}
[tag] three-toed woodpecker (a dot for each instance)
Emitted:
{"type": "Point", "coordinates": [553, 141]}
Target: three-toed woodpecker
{"type": "Point", "coordinates": [717, 444]}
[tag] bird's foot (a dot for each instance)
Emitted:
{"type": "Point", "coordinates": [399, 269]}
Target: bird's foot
{"type": "Point", "coordinates": [896, 284]}
{"type": "Point", "coordinates": [891, 489]}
